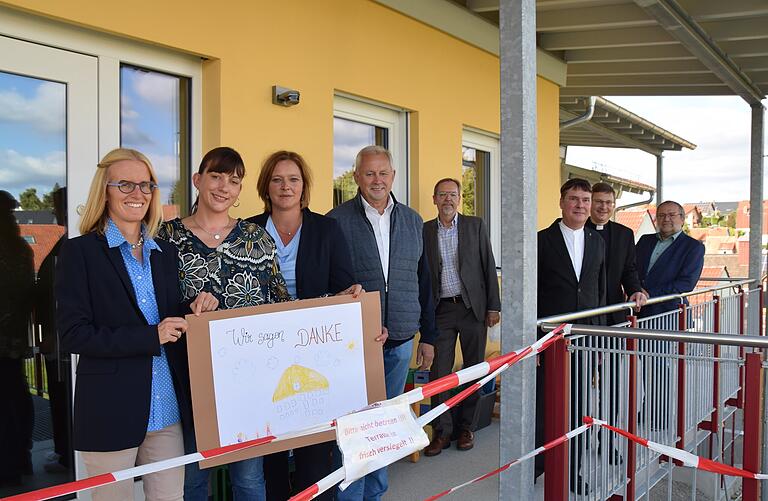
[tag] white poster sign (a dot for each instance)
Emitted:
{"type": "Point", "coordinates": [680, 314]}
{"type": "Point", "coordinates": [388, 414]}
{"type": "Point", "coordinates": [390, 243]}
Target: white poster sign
{"type": "Point", "coordinates": [374, 438]}
{"type": "Point", "coordinates": [279, 372]}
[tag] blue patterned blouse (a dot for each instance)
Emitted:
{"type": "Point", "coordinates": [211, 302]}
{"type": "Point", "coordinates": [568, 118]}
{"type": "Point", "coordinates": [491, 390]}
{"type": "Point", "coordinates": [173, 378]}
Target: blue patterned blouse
{"type": "Point", "coordinates": [163, 407]}
{"type": "Point", "coordinates": [242, 271]}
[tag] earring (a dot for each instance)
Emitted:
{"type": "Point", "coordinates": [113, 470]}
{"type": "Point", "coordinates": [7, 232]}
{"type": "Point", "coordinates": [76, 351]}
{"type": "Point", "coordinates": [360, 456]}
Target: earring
{"type": "Point", "coordinates": [237, 203]}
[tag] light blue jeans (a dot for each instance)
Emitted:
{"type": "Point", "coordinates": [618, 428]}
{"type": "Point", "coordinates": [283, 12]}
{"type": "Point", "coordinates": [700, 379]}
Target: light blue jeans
{"type": "Point", "coordinates": [247, 477]}
{"type": "Point", "coordinates": [373, 486]}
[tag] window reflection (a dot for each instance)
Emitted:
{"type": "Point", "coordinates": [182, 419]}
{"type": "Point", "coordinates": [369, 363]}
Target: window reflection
{"type": "Point", "coordinates": [475, 182]}
{"type": "Point", "coordinates": [36, 390]}
{"type": "Point", "coordinates": [349, 137]}
{"type": "Point", "coordinates": [154, 119]}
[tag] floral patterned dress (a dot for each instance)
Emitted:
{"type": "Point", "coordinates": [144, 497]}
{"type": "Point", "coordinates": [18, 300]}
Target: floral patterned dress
{"type": "Point", "coordinates": [242, 271]}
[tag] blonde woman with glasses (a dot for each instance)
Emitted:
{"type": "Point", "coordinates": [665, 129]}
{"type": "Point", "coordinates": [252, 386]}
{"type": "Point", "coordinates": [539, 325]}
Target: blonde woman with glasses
{"type": "Point", "coordinates": [118, 309]}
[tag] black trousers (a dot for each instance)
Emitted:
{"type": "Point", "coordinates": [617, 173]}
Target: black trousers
{"type": "Point", "coordinates": [312, 463]}
{"type": "Point", "coordinates": [454, 320]}
{"type": "Point", "coordinates": [17, 420]}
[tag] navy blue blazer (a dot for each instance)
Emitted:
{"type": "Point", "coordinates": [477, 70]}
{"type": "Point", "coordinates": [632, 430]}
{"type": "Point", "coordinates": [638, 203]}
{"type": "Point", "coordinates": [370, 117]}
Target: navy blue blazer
{"type": "Point", "coordinates": [676, 270]}
{"type": "Point", "coordinates": [99, 319]}
{"type": "Point", "coordinates": [323, 262]}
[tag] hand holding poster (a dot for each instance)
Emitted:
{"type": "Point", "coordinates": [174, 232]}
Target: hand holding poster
{"type": "Point", "coordinates": [277, 368]}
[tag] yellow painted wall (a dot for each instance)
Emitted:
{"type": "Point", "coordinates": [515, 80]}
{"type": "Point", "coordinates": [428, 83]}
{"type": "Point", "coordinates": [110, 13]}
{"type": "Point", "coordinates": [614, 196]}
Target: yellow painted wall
{"type": "Point", "coordinates": [319, 47]}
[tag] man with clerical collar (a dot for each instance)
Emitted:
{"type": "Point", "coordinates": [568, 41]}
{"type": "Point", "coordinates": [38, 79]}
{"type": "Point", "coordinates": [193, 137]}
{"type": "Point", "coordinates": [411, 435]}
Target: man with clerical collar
{"type": "Point", "coordinates": [571, 277]}
{"type": "Point", "coordinates": [668, 262]}
{"type": "Point", "coordinates": [621, 280]}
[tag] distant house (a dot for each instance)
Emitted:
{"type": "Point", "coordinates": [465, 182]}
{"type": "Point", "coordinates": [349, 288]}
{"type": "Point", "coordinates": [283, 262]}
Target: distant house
{"type": "Point", "coordinates": [41, 238]}
{"type": "Point", "coordinates": [707, 209]}
{"type": "Point", "coordinates": [693, 215]}
{"type": "Point", "coordinates": [34, 217]}
{"type": "Point", "coordinates": [716, 244]}
{"type": "Point", "coordinates": [639, 221]}
{"type": "Point", "coordinates": [742, 215]}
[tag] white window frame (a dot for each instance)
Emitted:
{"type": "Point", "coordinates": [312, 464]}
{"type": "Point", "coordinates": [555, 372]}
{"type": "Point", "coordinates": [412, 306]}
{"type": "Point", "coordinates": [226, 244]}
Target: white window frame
{"type": "Point", "coordinates": [111, 52]}
{"type": "Point", "coordinates": [489, 142]}
{"type": "Point", "coordinates": [395, 120]}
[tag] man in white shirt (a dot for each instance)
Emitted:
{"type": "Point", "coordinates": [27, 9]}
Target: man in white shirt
{"type": "Point", "coordinates": [571, 277]}
{"type": "Point", "coordinates": [385, 240]}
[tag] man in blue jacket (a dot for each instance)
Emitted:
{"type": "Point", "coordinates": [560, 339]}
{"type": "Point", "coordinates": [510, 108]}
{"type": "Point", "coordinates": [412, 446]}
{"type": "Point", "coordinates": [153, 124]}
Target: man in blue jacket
{"type": "Point", "coordinates": [387, 251]}
{"type": "Point", "coordinates": [668, 262]}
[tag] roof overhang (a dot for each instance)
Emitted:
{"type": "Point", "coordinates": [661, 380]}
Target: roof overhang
{"type": "Point", "coordinates": [629, 47]}
{"type": "Point", "coordinates": [612, 126]}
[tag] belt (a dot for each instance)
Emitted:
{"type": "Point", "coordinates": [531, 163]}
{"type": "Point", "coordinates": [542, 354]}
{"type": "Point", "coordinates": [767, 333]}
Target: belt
{"type": "Point", "coordinates": [454, 299]}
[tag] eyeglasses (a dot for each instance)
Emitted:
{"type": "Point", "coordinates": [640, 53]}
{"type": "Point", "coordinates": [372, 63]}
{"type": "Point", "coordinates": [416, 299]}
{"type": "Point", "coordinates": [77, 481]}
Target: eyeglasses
{"type": "Point", "coordinates": [447, 194]}
{"type": "Point", "coordinates": [146, 187]}
{"type": "Point", "coordinates": [671, 215]}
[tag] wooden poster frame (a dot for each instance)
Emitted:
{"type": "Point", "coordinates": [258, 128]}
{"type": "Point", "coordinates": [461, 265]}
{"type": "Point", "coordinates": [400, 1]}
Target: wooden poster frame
{"type": "Point", "coordinates": [201, 371]}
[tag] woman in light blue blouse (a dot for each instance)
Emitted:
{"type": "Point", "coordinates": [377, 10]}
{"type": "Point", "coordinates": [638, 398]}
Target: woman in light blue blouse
{"type": "Point", "coordinates": [119, 310]}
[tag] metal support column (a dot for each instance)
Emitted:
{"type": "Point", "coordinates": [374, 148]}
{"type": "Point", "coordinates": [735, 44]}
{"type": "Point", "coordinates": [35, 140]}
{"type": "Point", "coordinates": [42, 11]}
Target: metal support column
{"type": "Point", "coordinates": [517, 27]}
{"type": "Point", "coordinates": [757, 150]}
{"type": "Point", "coordinates": [659, 178]}
{"type": "Point", "coordinates": [755, 211]}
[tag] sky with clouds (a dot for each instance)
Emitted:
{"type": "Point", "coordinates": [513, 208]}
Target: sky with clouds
{"type": "Point", "coordinates": [33, 138]}
{"type": "Point", "coordinates": [33, 128]}
{"type": "Point", "coordinates": [717, 170]}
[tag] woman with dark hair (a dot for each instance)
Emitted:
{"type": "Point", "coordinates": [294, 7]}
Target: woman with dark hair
{"type": "Point", "coordinates": [235, 261]}
{"type": "Point", "coordinates": [315, 261]}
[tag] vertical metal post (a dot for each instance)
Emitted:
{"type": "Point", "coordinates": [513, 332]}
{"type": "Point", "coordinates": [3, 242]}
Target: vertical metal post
{"type": "Point", "coordinates": [632, 415]}
{"type": "Point", "coordinates": [517, 54]}
{"type": "Point", "coordinates": [753, 390]}
{"type": "Point", "coordinates": [557, 405]}
{"type": "Point", "coordinates": [659, 179]}
{"type": "Point", "coordinates": [755, 209]}
{"type": "Point", "coordinates": [757, 150]}
{"type": "Point", "coordinates": [682, 327]}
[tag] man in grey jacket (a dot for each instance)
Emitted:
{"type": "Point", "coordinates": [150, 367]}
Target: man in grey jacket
{"type": "Point", "coordinates": [385, 239]}
{"type": "Point", "coordinates": [466, 293]}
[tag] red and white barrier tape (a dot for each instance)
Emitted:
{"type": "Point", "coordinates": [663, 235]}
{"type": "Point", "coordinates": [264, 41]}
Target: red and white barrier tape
{"type": "Point", "coordinates": [685, 457]}
{"type": "Point", "coordinates": [489, 369]}
{"type": "Point", "coordinates": [137, 471]}
{"type": "Point", "coordinates": [549, 445]}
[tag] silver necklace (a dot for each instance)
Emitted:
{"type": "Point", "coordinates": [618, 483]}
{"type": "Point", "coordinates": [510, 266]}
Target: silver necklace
{"type": "Point", "coordinates": [217, 235]}
{"type": "Point", "coordinates": [137, 244]}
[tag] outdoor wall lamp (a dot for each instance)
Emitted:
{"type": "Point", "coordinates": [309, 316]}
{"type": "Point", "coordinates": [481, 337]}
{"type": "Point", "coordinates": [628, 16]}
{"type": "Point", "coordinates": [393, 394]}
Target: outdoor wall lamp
{"type": "Point", "coordinates": [284, 96]}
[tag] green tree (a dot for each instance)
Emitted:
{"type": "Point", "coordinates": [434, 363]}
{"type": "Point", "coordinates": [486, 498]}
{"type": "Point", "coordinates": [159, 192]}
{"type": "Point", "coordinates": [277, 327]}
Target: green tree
{"type": "Point", "coordinates": [29, 200]}
{"type": "Point", "coordinates": [344, 188]}
{"type": "Point", "coordinates": [468, 192]}
{"type": "Point", "coordinates": [48, 197]}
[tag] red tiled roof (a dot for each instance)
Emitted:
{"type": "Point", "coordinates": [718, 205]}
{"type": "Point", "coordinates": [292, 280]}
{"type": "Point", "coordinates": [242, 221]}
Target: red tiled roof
{"type": "Point", "coordinates": [632, 219]}
{"type": "Point", "coordinates": [45, 237]}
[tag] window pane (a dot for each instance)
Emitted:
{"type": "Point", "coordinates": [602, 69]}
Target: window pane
{"type": "Point", "coordinates": [475, 191]}
{"type": "Point", "coordinates": [349, 137]}
{"type": "Point", "coordinates": [154, 119]}
{"type": "Point", "coordinates": [35, 422]}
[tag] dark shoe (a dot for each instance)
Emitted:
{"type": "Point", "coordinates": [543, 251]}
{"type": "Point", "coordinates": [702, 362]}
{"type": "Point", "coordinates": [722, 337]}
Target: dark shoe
{"type": "Point", "coordinates": [466, 440]}
{"type": "Point", "coordinates": [437, 445]}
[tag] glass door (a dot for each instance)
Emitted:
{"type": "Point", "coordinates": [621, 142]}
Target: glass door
{"type": "Point", "coordinates": [48, 153]}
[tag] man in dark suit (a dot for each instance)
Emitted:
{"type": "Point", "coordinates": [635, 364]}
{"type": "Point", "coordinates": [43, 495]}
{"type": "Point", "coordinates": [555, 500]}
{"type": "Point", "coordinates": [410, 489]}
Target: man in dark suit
{"type": "Point", "coordinates": [621, 277]}
{"type": "Point", "coordinates": [668, 262]}
{"type": "Point", "coordinates": [466, 291]}
{"type": "Point", "coordinates": [571, 277]}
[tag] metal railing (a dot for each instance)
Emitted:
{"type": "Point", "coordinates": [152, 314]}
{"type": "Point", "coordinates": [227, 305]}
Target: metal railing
{"type": "Point", "coordinates": [676, 378]}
